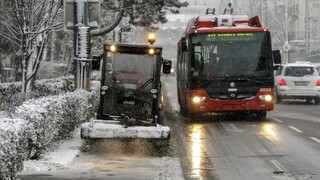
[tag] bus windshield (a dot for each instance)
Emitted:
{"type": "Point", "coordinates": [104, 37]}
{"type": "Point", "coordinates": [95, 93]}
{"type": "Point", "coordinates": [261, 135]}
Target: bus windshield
{"type": "Point", "coordinates": [232, 54]}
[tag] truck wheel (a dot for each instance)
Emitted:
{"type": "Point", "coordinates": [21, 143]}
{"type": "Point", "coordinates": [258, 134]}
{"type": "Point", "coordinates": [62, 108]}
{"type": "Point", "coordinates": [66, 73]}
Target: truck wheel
{"type": "Point", "coordinates": [309, 100]}
{"type": "Point", "coordinates": [160, 119]}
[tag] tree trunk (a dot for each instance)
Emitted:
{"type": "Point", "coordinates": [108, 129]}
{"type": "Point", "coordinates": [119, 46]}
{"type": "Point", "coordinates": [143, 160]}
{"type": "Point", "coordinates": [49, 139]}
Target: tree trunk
{"type": "Point", "coordinates": [24, 61]}
{"type": "Point", "coordinates": [1, 69]}
{"type": "Point", "coordinates": [33, 62]}
{"type": "Point", "coordinates": [53, 49]}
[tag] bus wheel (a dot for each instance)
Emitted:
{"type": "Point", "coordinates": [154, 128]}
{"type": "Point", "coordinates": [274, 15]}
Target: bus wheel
{"type": "Point", "coordinates": [262, 115]}
{"type": "Point", "coordinates": [278, 99]}
{"type": "Point", "coordinates": [187, 113]}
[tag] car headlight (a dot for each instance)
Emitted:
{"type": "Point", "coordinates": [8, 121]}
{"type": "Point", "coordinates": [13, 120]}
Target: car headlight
{"type": "Point", "coordinates": [265, 97]}
{"type": "Point", "coordinates": [198, 99]}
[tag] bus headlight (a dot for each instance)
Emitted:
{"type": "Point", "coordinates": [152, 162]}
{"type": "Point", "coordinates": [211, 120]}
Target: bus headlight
{"type": "Point", "coordinates": [198, 99]}
{"type": "Point", "coordinates": [266, 97]}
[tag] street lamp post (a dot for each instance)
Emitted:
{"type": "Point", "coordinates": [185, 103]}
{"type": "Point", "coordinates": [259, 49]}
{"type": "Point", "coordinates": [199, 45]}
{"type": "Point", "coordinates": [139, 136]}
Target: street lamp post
{"type": "Point", "coordinates": [82, 16]}
{"type": "Point", "coordinates": [286, 17]}
{"type": "Point", "coordinates": [307, 29]}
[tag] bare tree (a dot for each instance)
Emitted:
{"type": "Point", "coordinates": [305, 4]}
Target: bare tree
{"type": "Point", "coordinates": [27, 23]}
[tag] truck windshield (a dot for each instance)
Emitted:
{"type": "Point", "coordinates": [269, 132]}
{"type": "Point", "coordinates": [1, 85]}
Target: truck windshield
{"type": "Point", "coordinates": [232, 54]}
{"type": "Point", "coordinates": [132, 70]}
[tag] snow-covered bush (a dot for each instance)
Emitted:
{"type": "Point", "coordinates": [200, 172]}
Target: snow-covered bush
{"type": "Point", "coordinates": [39, 124]}
{"type": "Point", "coordinates": [52, 118]}
{"type": "Point", "coordinates": [13, 145]}
{"type": "Point", "coordinates": [11, 96]}
{"type": "Point", "coordinates": [54, 86]}
{"type": "Point", "coordinates": [7, 91]}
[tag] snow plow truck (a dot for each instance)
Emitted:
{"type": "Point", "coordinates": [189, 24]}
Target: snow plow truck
{"type": "Point", "coordinates": [130, 94]}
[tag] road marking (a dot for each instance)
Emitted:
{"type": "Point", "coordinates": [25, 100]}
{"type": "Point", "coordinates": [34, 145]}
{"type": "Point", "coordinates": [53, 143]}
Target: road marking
{"type": "Point", "coordinates": [282, 171]}
{"type": "Point", "coordinates": [315, 139]}
{"type": "Point", "coordinates": [278, 165]}
{"type": "Point", "coordinates": [278, 120]}
{"type": "Point", "coordinates": [295, 129]}
{"type": "Point", "coordinates": [236, 129]}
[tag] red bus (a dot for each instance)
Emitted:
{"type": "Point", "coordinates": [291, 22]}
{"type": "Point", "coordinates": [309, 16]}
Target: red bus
{"type": "Point", "coordinates": [225, 63]}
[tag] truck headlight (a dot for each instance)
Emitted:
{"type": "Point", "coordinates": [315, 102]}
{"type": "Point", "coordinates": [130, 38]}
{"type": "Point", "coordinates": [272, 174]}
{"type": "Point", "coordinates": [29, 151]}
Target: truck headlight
{"type": "Point", "coordinates": [113, 48]}
{"type": "Point", "coordinates": [104, 88]}
{"type": "Point", "coordinates": [153, 91]}
{"type": "Point", "coordinates": [151, 51]}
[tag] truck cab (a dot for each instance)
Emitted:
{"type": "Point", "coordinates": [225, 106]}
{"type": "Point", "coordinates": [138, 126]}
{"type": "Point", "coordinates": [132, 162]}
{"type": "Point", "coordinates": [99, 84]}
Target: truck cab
{"type": "Point", "coordinates": [130, 93]}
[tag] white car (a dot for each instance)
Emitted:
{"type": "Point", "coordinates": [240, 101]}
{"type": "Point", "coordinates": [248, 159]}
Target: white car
{"type": "Point", "coordinates": [299, 80]}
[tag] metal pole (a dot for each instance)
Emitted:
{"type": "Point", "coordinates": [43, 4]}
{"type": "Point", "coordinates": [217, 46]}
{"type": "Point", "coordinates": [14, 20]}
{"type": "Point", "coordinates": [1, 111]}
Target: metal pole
{"type": "Point", "coordinates": [266, 13]}
{"type": "Point", "coordinates": [307, 29]}
{"type": "Point", "coordinates": [82, 39]}
{"type": "Point", "coordinates": [75, 42]}
{"type": "Point", "coordinates": [286, 16]}
{"type": "Point", "coordinates": [262, 13]}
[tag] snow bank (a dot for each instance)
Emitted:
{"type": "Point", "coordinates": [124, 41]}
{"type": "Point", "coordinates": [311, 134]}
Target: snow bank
{"type": "Point", "coordinates": [40, 123]}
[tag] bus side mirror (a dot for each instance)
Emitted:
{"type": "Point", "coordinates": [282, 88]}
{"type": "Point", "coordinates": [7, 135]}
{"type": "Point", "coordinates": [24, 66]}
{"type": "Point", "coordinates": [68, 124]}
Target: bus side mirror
{"type": "Point", "coordinates": [276, 57]}
{"type": "Point", "coordinates": [166, 68]}
{"type": "Point", "coordinates": [95, 63]}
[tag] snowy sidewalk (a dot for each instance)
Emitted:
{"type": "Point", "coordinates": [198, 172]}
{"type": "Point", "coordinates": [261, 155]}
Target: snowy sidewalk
{"type": "Point", "coordinates": [68, 162]}
{"type": "Point", "coordinates": [59, 159]}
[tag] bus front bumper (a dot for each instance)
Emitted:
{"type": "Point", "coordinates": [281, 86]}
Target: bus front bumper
{"type": "Point", "coordinates": [215, 105]}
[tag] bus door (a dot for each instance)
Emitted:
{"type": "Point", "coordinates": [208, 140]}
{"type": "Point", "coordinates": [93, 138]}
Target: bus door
{"type": "Point", "coordinates": [184, 78]}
